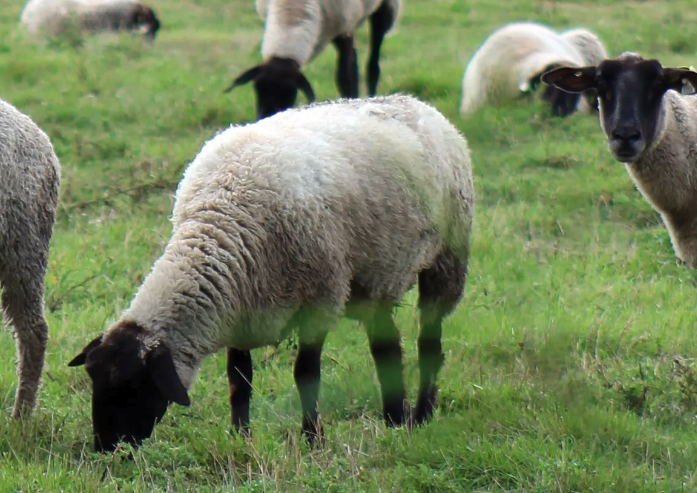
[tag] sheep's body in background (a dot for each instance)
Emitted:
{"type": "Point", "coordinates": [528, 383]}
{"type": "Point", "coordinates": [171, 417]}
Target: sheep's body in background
{"type": "Point", "coordinates": [30, 181]}
{"type": "Point", "coordinates": [52, 17]}
{"type": "Point", "coordinates": [511, 60]}
{"type": "Point", "coordinates": [296, 31]}
{"type": "Point", "coordinates": [317, 213]}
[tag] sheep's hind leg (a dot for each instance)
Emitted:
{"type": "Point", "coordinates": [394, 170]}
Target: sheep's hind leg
{"type": "Point", "coordinates": [380, 22]}
{"type": "Point", "coordinates": [22, 301]}
{"type": "Point", "coordinates": [346, 66]}
{"type": "Point", "coordinates": [239, 374]}
{"type": "Point", "coordinates": [440, 289]}
{"type": "Point", "coordinates": [385, 346]}
{"type": "Point", "coordinates": [314, 324]}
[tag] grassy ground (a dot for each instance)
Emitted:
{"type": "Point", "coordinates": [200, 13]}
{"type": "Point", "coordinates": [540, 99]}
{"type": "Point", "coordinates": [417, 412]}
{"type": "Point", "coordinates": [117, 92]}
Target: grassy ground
{"type": "Point", "coordinates": [570, 363]}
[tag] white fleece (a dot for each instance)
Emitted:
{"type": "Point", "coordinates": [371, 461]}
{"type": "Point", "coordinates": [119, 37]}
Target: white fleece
{"type": "Point", "coordinates": [502, 67]}
{"type": "Point", "coordinates": [301, 29]}
{"type": "Point", "coordinates": [51, 17]}
{"type": "Point", "coordinates": [288, 211]}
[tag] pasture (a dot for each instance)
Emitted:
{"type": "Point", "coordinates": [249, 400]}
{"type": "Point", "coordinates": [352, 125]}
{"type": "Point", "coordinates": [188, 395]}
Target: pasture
{"type": "Point", "coordinates": [570, 363]}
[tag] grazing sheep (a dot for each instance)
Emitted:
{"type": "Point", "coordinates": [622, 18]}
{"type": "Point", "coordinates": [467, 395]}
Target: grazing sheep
{"type": "Point", "coordinates": [30, 179]}
{"type": "Point", "coordinates": [296, 31]}
{"type": "Point", "coordinates": [53, 17]}
{"type": "Point", "coordinates": [652, 128]}
{"type": "Point", "coordinates": [512, 59]}
{"type": "Point", "coordinates": [293, 222]}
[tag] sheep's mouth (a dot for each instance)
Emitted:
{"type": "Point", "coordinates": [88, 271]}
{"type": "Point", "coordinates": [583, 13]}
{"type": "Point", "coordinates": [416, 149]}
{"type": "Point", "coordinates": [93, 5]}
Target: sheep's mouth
{"type": "Point", "coordinates": [626, 152]}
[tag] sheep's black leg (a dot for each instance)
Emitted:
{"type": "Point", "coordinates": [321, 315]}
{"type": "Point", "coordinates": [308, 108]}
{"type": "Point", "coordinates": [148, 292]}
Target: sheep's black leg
{"type": "Point", "coordinates": [440, 289]}
{"type": "Point", "coordinates": [346, 67]}
{"type": "Point", "coordinates": [380, 22]}
{"type": "Point", "coordinates": [386, 349]}
{"type": "Point", "coordinates": [307, 379]}
{"type": "Point", "coordinates": [239, 374]}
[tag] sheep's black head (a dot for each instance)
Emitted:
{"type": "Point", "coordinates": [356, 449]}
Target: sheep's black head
{"type": "Point", "coordinates": [276, 83]}
{"type": "Point", "coordinates": [132, 385]}
{"type": "Point", "coordinates": [630, 94]}
{"type": "Point", "coordinates": [145, 21]}
{"type": "Point", "coordinates": [562, 103]}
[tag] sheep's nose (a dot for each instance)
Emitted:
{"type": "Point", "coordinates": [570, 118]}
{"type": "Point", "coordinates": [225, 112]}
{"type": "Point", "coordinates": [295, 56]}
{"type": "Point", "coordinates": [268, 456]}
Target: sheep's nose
{"type": "Point", "coordinates": [626, 134]}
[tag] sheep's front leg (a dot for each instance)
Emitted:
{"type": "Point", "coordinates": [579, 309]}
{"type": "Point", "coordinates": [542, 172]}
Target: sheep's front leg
{"type": "Point", "coordinates": [307, 379]}
{"type": "Point", "coordinates": [386, 349]}
{"type": "Point", "coordinates": [380, 22]}
{"type": "Point", "coordinates": [346, 66]}
{"type": "Point", "coordinates": [239, 374]}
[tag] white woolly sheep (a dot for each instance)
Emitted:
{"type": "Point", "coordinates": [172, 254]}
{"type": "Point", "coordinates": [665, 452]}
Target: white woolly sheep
{"type": "Point", "coordinates": [53, 17]}
{"type": "Point", "coordinates": [652, 128]}
{"type": "Point", "coordinates": [511, 60]}
{"type": "Point", "coordinates": [30, 179]}
{"type": "Point", "coordinates": [293, 222]}
{"type": "Point", "coordinates": [296, 31]}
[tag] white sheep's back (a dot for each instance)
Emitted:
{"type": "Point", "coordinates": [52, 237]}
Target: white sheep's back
{"type": "Point", "coordinates": [503, 65]}
{"type": "Point", "coordinates": [300, 30]}
{"type": "Point", "coordinates": [588, 44]}
{"type": "Point", "coordinates": [330, 154]}
{"type": "Point", "coordinates": [50, 16]}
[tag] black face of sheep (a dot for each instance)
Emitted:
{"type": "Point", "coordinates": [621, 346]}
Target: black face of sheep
{"type": "Point", "coordinates": [132, 385]}
{"type": "Point", "coordinates": [144, 20]}
{"type": "Point", "coordinates": [276, 84]}
{"type": "Point", "coordinates": [630, 92]}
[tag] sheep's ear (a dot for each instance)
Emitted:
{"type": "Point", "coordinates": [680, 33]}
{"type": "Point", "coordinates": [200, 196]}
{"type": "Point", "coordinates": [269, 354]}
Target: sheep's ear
{"type": "Point", "coordinates": [306, 88]}
{"type": "Point", "coordinates": [250, 74]}
{"type": "Point", "coordinates": [571, 79]}
{"type": "Point", "coordinates": [163, 372]}
{"type": "Point", "coordinates": [681, 79]}
{"type": "Point", "coordinates": [80, 359]}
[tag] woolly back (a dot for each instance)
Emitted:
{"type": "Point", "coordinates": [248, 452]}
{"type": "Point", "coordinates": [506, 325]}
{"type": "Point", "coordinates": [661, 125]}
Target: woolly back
{"type": "Point", "coordinates": [588, 45]}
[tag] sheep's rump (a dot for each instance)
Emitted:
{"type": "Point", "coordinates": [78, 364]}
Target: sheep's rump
{"type": "Point", "coordinates": [52, 17]}
{"type": "Point", "coordinates": [30, 180]}
{"type": "Point", "coordinates": [301, 29]}
{"type": "Point", "coordinates": [504, 66]}
{"type": "Point", "coordinates": [296, 209]}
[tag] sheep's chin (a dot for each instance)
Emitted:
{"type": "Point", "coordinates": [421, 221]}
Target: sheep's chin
{"type": "Point", "coordinates": [626, 153]}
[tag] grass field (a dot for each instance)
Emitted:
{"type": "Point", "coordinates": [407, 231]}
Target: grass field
{"type": "Point", "coordinates": [570, 362]}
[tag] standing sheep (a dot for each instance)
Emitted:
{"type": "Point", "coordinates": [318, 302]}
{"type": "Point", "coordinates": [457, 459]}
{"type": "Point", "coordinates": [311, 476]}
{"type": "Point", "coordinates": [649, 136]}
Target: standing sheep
{"type": "Point", "coordinates": [651, 128]}
{"type": "Point", "coordinates": [30, 179]}
{"type": "Point", "coordinates": [53, 17]}
{"type": "Point", "coordinates": [293, 222]}
{"type": "Point", "coordinates": [512, 59]}
{"type": "Point", "coordinates": [296, 31]}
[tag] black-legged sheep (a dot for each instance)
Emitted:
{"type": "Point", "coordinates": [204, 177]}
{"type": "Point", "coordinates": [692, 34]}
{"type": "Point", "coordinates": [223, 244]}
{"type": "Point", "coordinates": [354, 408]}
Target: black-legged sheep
{"type": "Point", "coordinates": [511, 60]}
{"type": "Point", "coordinates": [296, 31]}
{"type": "Point", "coordinates": [330, 210]}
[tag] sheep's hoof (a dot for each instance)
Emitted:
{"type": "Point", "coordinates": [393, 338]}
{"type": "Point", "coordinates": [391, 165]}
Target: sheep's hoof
{"type": "Point", "coordinates": [425, 407]}
{"type": "Point", "coordinates": [313, 432]}
{"type": "Point", "coordinates": [242, 431]}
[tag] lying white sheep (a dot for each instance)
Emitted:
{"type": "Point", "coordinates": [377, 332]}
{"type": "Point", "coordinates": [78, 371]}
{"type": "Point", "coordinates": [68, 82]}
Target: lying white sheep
{"type": "Point", "coordinates": [296, 31]}
{"type": "Point", "coordinates": [53, 17]}
{"type": "Point", "coordinates": [30, 179]}
{"type": "Point", "coordinates": [652, 128]}
{"type": "Point", "coordinates": [293, 222]}
{"type": "Point", "coordinates": [511, 60]}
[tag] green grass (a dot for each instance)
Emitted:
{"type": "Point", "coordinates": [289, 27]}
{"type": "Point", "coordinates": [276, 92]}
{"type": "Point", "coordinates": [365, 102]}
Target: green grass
{"type": "Point", "coordinates": [570, 362]}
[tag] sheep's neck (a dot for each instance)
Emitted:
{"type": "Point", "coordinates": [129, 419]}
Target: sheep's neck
{"type": "Point", "coordinates": [667, 174]}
